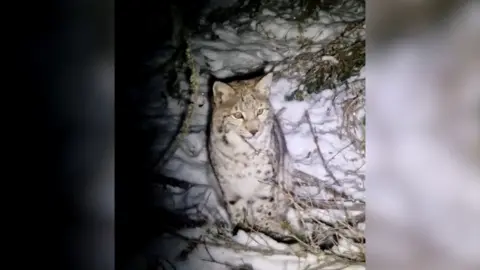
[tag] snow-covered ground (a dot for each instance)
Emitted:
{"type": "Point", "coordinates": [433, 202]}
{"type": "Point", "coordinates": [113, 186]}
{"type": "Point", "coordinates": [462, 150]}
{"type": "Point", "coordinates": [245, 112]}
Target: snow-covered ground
{"type": "Point", "coordinates": [273, 40]}
{"type": "Point", "coordinates": [262, 253]}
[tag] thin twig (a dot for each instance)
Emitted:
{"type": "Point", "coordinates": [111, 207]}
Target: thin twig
{"type": "Point", "coordinates": [327, 169]}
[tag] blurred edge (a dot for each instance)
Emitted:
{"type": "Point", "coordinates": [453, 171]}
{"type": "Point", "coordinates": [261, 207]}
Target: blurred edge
{"type": "Point", "coordinates": [74, 56]}
{"type": "Point", "coordinates": [98, 201]}
{"type": "Point", "coordinates": [423, 142]}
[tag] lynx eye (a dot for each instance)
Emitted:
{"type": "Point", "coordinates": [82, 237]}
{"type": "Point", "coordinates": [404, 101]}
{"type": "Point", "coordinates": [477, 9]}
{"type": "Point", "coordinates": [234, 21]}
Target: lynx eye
{"type": "Point", "coordinates": [260, 112]}
{"type": "Point", "coordinates": [238, 115]}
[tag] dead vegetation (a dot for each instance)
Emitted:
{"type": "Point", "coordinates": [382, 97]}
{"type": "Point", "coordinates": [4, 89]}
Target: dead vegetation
{"type": "Point", "coordinates": [301, 10]}
{"type": "Point", "coordinates": [331, 66]}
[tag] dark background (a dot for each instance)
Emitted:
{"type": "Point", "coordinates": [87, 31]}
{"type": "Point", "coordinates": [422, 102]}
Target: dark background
{"type": "Point", "coordinates": [60, 122]}
{"type": "Point", "coordinates": [142, 28]}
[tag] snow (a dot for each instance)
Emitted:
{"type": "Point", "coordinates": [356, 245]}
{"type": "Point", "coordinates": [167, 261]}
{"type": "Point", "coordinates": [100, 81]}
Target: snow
{"type": "Point", "coordinates": [216, 257]}
{"type": "Point", "coordinates": [242, 46]}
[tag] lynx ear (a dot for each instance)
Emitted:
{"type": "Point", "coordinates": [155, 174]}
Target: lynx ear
{"type": "Point", "coordinates": [221, 92]}
{"type": "Point", "coordinates": [263, 86]}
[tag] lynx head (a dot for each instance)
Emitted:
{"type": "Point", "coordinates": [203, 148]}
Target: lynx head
{"type": "Point", "coordinates": [242, 106]}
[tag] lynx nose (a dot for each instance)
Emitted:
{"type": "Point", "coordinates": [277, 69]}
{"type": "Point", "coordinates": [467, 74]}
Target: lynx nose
{"type": "Point", "coordinates": [253, 131]}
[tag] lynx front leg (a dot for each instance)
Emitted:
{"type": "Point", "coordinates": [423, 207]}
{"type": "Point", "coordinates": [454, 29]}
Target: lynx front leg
{"type": "Point", "coordinates": [230, 216]}
{"type": "Point", "coordinates": [238, 212]}
{"type": "Point", "coordinates": [235, 208]}
{"type": "Point", "coordinates": [268, 217]}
